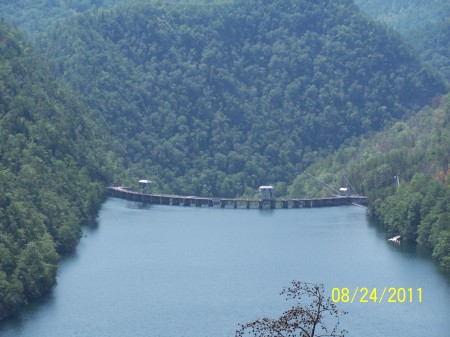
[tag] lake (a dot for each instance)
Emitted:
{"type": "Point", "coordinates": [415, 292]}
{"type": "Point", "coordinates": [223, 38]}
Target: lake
{"type": "Point", "coordinates": [173, 271]}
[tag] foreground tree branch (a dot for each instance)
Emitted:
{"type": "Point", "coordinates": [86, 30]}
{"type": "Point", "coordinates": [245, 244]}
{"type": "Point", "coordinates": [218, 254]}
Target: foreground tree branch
{"type": "Point", "coordinates": [313, 315]}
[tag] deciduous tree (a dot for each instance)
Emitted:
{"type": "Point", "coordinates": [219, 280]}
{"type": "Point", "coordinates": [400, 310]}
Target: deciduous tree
{"type": "Point", "coordinates": [313, 315]}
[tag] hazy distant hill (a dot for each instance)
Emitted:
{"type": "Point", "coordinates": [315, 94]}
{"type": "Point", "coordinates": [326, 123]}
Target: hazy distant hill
{"type": "Point", "coordinates": [213, 99]}
{"type": "Point", "coordinates": [425, 24]}
{"type": "Point", "coordinates": [35, 16]}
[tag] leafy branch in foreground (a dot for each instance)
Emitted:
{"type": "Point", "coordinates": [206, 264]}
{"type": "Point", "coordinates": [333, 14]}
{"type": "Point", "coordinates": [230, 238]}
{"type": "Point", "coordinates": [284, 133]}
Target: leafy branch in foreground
{"type": "Point", "coordinates": [308, 318]}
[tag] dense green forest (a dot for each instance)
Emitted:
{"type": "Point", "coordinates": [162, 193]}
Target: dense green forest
{"type": "Point", "coordinates": [425, 25]}
{"type": "Point", "coordinates": [209, 98]}
{"type": "Point", "coordinates": [52, 173]}
{"type": "Point", "coordinates": [417, 151]}
{"type": "Point", "coordinates": [219, 99]}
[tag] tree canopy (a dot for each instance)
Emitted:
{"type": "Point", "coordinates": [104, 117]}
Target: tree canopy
{"type": "Point", "coordinates": [208, 98]}
{"type": "Point", "coordinates": [425, 25]}
{"type": "Point", "coordinates": [214, 99]}
{"type": "Point", "coordinates": [52, 173]}
{"type": "Point", "coordinates": [417, 152]}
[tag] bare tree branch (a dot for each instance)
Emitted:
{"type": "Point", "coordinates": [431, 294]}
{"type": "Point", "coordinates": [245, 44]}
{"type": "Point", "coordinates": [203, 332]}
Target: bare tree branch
{"type": "Point", "coordinates": [310, 316]}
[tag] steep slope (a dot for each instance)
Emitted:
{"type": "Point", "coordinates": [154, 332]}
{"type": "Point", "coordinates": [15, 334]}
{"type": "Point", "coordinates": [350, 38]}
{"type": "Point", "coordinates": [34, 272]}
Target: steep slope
{"type": "Point", "coordinates": [416, 151]}
{"type": "Point", "coordinates": [213, 99]}
{"type": "Point", "coordinates": [425, 24]}
{"type": "Point", "coordinates": [51, 173]}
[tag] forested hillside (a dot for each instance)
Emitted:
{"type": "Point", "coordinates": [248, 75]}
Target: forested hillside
{"type": "Point", "coordinates": [425, 24]}
{"type": "Point", "coordinates": [216, 99]}
{"type": "Point", "coordinates": [417, 151]}
{"type": "Point", "coordinates": [52, 173]}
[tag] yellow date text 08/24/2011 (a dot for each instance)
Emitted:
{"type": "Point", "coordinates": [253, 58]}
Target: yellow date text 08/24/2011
{"type": "Point", "coordinates": [376, 295]}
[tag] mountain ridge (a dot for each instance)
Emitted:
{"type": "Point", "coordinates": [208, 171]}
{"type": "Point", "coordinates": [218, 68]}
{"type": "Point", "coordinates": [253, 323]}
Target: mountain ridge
{"type": "Point", "coordinates": [187, 84]}
{"type": "Point", "coordinates": [207, 100]}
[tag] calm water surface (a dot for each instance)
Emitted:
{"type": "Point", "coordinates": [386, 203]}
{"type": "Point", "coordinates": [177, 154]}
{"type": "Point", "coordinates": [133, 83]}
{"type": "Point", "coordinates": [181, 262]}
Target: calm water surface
{"type": "Point", "coordinates": [176, 271]}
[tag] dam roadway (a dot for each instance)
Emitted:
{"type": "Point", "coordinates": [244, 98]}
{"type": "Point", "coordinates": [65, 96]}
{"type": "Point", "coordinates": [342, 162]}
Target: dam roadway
{"type": "Point", "coordinates": [180, 200]}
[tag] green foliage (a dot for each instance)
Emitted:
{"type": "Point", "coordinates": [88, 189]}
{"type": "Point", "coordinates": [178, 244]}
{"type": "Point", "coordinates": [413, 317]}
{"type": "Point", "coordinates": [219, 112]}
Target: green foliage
{"type": "Point", "coordinates": [52, 175]}
{"type": "Point", "coordinates": [11, 294]}
{"type": "Point", "coordinates": [408, 213]}
{"type": "Point", "coordinates": [36, 267]}
{"type": "Point", "coordinates": [209, 98]}
{"type": "Point", "coordinates": [417, 151]}
{"type": "Point", "coordinates": [425, 24]}
{"type": "Point", "coordinates": [214, 99]}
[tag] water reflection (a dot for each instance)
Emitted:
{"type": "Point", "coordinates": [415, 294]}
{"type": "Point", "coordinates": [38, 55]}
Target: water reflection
{"type": "Point", "coordinates": [139, 205]}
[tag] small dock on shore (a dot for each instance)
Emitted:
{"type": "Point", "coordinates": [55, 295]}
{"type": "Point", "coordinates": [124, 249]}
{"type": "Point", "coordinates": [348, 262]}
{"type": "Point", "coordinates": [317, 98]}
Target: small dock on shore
{"type": "Point", "coordinates": [180, 200]}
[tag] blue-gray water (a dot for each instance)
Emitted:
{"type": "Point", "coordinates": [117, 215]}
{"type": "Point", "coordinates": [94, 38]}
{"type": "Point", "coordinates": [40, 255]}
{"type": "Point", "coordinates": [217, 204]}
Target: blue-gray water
{"type": "Point", "coordinates": [178, 271]}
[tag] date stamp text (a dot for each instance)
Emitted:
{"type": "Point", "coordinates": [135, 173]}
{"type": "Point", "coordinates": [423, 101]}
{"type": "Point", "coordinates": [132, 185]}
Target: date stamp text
{"type": "Point", "coordinates": [376, 295]}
